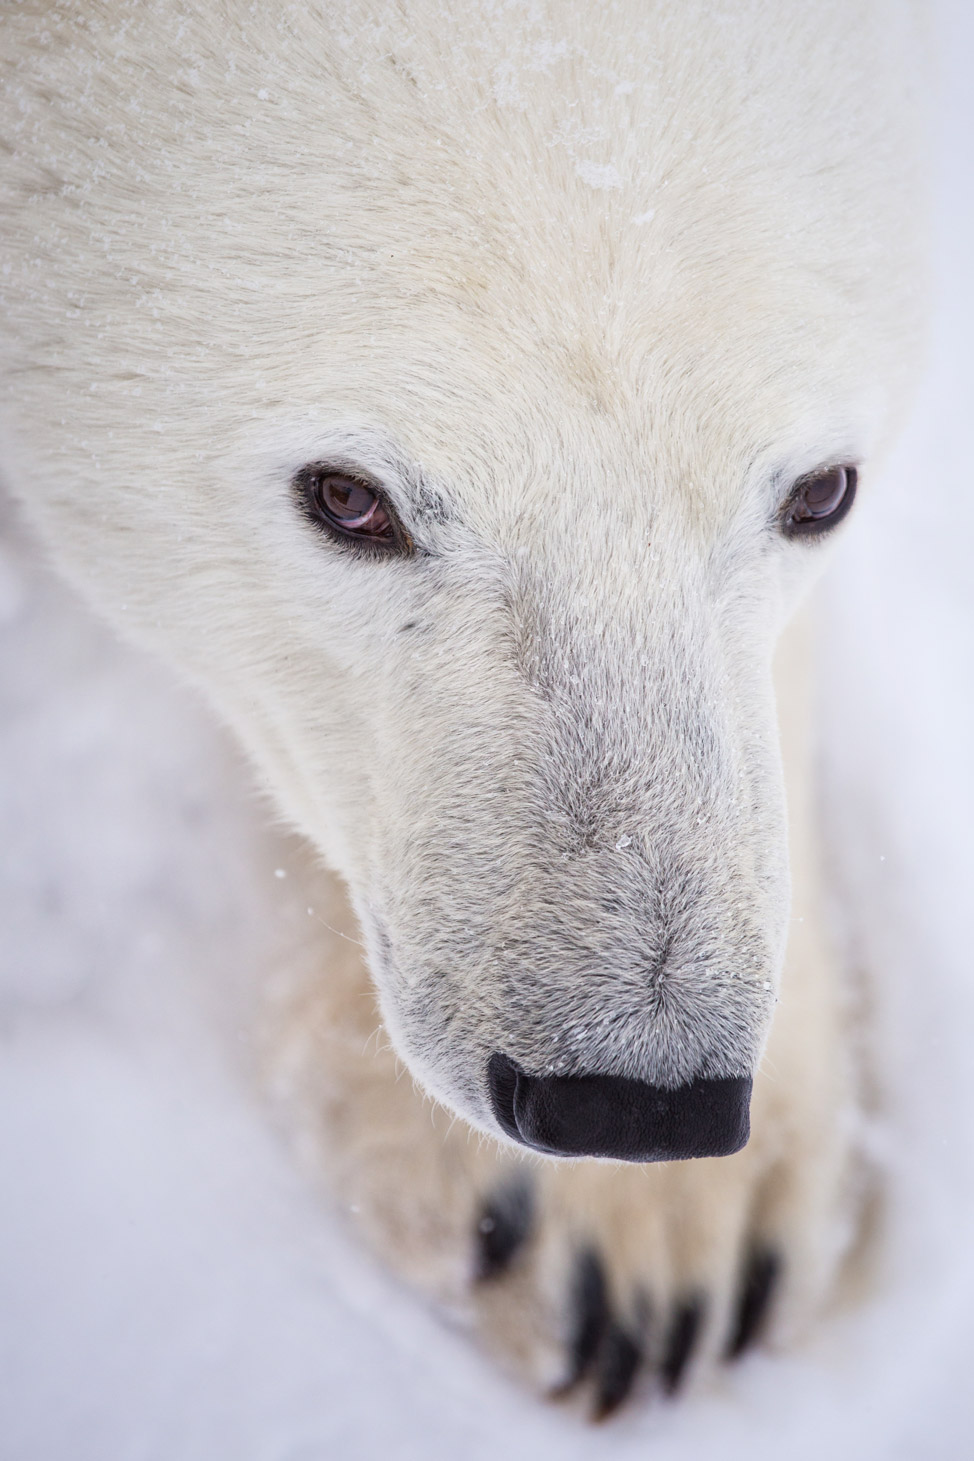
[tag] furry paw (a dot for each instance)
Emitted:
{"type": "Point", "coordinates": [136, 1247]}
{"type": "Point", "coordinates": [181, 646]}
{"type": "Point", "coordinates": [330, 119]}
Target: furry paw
{"type": "Point", "coordinates": [598, 1282]}
{"type": "Point", "coordinates": [592, 1281]}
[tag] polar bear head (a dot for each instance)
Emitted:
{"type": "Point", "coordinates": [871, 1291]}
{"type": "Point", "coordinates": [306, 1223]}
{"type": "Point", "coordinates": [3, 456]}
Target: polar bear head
{"type": "Point", "coordinates": [466, 417]}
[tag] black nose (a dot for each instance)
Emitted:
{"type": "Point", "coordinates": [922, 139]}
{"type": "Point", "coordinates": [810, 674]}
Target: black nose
{"type": "Point", "coordinates": [610, 1116]}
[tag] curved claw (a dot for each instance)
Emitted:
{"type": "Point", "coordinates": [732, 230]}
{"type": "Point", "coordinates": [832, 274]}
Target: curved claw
{"type": "Point", "coordinates": [504, 1226]}
{"type": "Point", "coordinates": [618, 1362]}
{"type": "Point", "coordinates": [684, 1332]}
{"type": "Point", "coordinates": [591, 1318]}
{"type": "Point", "coordinates": [758, 1283]}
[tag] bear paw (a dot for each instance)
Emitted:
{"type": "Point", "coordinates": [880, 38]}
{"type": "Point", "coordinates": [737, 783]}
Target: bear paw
{"type": "Point", "coordinates": [598, 1282]}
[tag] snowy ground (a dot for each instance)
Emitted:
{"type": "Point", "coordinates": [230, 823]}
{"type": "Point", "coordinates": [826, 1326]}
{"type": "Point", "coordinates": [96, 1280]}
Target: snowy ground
{"type": "Point", "coordinates": [170, 1290]}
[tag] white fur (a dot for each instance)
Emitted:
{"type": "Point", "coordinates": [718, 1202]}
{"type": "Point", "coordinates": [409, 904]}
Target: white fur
{"type": "Point", "coordinates": [586, 288]}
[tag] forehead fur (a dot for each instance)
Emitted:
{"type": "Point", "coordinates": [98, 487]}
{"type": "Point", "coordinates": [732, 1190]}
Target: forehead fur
{"type": "Point", "coordinates": [560, 197]}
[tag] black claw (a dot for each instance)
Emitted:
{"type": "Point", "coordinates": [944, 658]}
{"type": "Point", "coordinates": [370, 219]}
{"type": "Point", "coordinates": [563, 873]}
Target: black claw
{"type": "Point", "coordinates": [619, 1359]}
{"type": "Point", "coordinates": [684, 1331]}
{"type": "Point", "coordinates": [758, 1283]}
{"type": "Point", "coordinates": [504, 1226]}
{"type": "Point", "coordinates": [590, 1318]}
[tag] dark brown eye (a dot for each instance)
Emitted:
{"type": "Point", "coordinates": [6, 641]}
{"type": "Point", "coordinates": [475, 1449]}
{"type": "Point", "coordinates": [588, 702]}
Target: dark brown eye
{"type": "Point", "coordinates": [819, 501]}
{"type": "Point", "coordinates": [349, 507]}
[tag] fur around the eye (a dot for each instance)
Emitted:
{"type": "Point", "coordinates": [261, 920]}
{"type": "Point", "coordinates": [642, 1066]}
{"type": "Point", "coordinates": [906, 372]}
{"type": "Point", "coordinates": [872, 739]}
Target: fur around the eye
{"type": "Point", "coordinates": [350, 508]}
{"type": "Point", "coordinates": [819, 501]}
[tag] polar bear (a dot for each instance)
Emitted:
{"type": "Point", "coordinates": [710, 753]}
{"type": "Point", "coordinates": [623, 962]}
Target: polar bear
{"type": "Point", "coordinates": [465, 397]}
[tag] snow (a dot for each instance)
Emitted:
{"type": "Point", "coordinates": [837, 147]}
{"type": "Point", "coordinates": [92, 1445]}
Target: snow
{"type": "Point", "coordinates": [171, 1288]}
{"type": "Point", "coordinates": [599, 176]}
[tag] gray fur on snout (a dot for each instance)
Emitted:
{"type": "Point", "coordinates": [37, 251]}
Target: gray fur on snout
{"type": "Point", "coordinates": [595, 873]}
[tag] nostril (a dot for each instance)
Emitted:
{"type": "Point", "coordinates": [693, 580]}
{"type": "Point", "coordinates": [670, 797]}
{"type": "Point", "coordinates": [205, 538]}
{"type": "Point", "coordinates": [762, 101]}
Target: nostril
{"type": "Point", "coordinates": [612, 1116]}
{"type": "Point", "coordinates": [502, 1081]}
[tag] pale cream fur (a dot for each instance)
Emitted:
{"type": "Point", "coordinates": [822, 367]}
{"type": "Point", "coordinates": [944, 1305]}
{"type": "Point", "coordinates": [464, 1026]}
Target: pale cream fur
{"type": "Point", "coordinates": [585, 289]}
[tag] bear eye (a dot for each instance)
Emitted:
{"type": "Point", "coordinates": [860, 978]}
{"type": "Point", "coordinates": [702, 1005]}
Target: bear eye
{"type": "Point", "coordinates": [819, 501]}
{"type": "Point", "coordinates": [350, 508]}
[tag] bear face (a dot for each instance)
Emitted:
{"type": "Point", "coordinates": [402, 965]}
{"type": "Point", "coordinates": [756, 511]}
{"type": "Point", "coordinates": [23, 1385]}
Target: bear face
{"type": "Point", "coordinates": [569, 833]}
{"type": "Point", "coordinates": [582, 337]}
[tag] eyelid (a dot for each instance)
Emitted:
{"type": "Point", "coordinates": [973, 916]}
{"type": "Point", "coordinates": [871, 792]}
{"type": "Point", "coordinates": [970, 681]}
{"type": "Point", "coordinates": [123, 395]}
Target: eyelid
{"type": "Point", "coordinates": [818, 527]}
{"type": "Point", "coordinates": [399, 544]}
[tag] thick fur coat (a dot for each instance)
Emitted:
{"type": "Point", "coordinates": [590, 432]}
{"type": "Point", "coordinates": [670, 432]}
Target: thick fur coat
{"type": "Point", "coordinates": [584, 290]}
